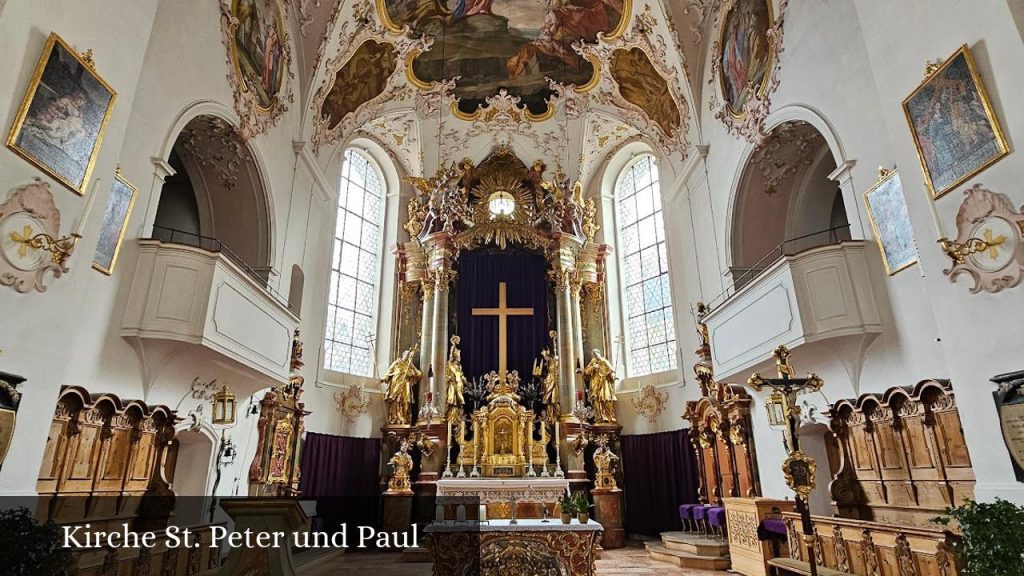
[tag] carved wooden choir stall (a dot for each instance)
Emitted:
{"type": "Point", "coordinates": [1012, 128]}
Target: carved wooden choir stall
{"type": "Point", "coordinates": [108, 462]}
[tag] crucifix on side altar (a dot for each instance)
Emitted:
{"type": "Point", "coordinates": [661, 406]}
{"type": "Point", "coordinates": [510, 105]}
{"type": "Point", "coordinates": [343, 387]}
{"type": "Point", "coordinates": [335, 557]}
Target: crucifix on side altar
{"type": "Point", "coordinates": [502, 312]}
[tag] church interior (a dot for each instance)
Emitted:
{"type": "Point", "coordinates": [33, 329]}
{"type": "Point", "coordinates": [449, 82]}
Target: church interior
{"type": "Point", "coordinates": [552, 287]}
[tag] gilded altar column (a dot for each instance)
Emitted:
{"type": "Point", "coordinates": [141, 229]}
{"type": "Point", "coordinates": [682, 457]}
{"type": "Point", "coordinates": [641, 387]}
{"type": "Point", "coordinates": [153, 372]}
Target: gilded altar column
{"type": "Point", "coordinates": [566, 346]}
{"type": "Point", "coordinates": [440, 263]}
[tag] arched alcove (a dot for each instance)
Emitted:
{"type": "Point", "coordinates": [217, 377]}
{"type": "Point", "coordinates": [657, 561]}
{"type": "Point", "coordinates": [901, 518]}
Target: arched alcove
{"type": "Point", "coordinates": [813, 442]}
{"type": "Point", "coordinates": [785, 202]}
{"type": "Point", "coordinates": [192, 476]}
{"type": "Point", "coordinates": [295, 288]}
{"type": "Point", "coordinates": [216, 200]}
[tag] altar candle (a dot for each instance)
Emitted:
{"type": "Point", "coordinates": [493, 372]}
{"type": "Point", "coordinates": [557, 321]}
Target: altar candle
{"type": "Point", "coordinates": [935, 217]}
{"type": "Point", "coordinates": [556, 431]}
{"type": "Point", "coordinates": [483, 513]}
{"type": "Point", "coordinates": [439, 513]}
{"type": "Point", "coordinates": [430, 397]}
{"type": "Point", "coordinates": [88, 208]}
{"type": "Point", "coordinates": [579, 396]}
{"type": "Point", "coordinates": [460, 513]}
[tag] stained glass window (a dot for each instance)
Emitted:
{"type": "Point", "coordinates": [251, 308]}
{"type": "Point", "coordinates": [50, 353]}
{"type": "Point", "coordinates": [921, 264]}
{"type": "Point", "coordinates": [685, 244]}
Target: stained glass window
{"type": "Point", "coordinates": [355, 268]}
{"type": "Point", "coordinates": [647, 311]}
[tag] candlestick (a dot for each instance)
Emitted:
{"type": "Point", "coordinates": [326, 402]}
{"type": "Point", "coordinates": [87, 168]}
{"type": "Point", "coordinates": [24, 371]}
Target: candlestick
{"type": "Point", "coordinates": [88, 207]}
{"type": "Point", "coordinates": [448, 460]}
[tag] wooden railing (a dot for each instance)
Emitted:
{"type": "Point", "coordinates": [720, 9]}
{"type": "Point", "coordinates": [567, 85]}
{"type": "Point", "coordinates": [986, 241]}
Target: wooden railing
{"type": "Point", "coordinates": [862, 548]}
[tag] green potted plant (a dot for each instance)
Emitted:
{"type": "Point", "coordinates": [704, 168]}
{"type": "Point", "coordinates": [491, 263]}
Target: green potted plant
{"type": "Point", "coordinates": [30, 548]}
{"type": "Point", "coordinates": [992, 537]}
{"type": "Point", "coordinates": [582, 507]}
{"type": "Point", "coordinates": [567, 504]}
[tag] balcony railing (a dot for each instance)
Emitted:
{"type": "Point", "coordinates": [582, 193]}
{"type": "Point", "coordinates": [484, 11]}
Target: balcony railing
{"type": "Point", "coordinates": [211, 244]}
{"type": "Point", "coordinates": [741, 276]}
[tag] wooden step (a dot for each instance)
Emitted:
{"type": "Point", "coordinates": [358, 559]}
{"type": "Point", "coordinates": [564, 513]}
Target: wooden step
{"type": "Point", "coordinates": [695, 544]}
{"type": "Point", "coordinates": [686, 560]}
{"type": "Point", "coordinates": [791, 566]}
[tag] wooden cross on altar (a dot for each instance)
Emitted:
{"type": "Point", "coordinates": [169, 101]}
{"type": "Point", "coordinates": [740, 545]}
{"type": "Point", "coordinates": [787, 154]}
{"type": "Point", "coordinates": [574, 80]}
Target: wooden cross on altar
{"type": "Point", "coordinates": [502, 312]}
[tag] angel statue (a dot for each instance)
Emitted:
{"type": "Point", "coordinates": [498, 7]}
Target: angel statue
{"type": "Point", "coordinates": [399, 378]}
{"type": "Point", "coordinates": [401, 463]}
{"type": "Point", "coordinates": [456, 382]}
{"type": "Point", "coordinates": [600, 378]}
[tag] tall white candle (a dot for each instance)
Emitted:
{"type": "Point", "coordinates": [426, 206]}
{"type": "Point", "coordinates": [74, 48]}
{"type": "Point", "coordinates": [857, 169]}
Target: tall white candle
{"type": "Point", "coordinates": [556, 432]}
{"type": "Point", "coordinates": [88, 207]}
{"type": "Point", "coordinates": [935, 216]}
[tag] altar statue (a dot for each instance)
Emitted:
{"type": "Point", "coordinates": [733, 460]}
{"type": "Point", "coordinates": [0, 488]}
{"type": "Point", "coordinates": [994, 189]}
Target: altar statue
{"type": "Point", "coordinates": [600, 378]}
{"type": "Point", "coordinates": [549, 395]}
{"type": "Point", "coordinates": [401, 463]}
{"type": "Point", "coordinates": [399, 378]}
{"type": "Point", "coordinates": [605, 462]}
{"type": "Point", "coordinates": [456, 382]}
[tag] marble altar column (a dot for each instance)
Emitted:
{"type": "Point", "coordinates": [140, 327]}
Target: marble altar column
{"type": "Point", "coordinates": [440, 349]}
{"type": "Point", "coordinates": [566, 346]}
{"type": "Point", "coordinates": [426, 336]}
{"type": "Point", "coordinates": [575, 290]}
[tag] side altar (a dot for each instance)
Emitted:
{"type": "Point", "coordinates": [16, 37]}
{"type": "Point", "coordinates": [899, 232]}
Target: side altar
{"type": "Point", "coordinates": [499, 383]}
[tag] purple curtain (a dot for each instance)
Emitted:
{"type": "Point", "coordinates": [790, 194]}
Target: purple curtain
{"type": "Point", "coordinates": [480, 274]}
{"type": "Point", "coordinates": [341, 473]}
{"type": "Point", "coordinates": [659, 473]}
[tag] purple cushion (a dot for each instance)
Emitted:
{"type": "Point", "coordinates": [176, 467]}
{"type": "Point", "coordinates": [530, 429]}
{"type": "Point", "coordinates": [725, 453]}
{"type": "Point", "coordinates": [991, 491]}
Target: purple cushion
{"type": "Point", "coordinates": [774, 526]}
{"type": "Point", "coordinates": [686, 511]}
{"type": "Point", "coordinates": [716, 516]}
{"type": "Point", "coordinates": [700, 512]}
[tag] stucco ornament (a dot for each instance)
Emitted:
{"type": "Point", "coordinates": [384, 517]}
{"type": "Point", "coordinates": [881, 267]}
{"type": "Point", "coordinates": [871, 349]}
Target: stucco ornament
{"type": "Point", "coordinates": [650, 403]}
{"type": "Point", "coordinates": [258, 112]}
{"type": "Point", "coordinates": [989, 245]}
{"type": "Point", "coordinates": [746, 121]}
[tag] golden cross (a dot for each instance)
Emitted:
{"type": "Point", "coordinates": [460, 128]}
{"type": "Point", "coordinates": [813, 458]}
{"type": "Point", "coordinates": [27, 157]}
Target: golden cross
{"type": "Point", "coordinates": [502, 312]}
{"type": "Point", "coordinates": [993, 243]}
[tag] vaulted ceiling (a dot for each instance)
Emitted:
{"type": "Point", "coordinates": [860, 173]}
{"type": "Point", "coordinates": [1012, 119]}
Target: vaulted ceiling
{"type": "Point", "coordinates": [565, 81]}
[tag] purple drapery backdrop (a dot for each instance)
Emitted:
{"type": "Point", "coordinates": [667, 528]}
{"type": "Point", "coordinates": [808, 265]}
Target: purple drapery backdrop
{"type": "Point", "coordinates": [659, 473]}
{"type": "Point", "coordinates": [480, 273]}
{"type": "Point", "coordinates": [341, 474]}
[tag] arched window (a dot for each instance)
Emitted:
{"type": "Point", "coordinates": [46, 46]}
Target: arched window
{"type": "Point", "coordinates": [355, 268]}
{"type": "Point", "coordinates": [647, 314]}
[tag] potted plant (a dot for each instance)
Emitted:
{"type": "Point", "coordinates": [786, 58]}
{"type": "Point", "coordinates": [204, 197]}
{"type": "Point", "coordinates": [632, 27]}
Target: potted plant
{"type": "Point", "coordinates": [992, 537]}
{"type": "Point", "coordinates": [582, 506]}
{"type": "Point", "coordinates": [567, 504]}
{"type": "Point", "coordinates": [31, 548]}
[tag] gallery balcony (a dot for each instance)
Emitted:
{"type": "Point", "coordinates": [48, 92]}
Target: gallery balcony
{"type": "Point", "coordinates": [820, 294]}
{"type": "Point", "coordinates": [200, 294]}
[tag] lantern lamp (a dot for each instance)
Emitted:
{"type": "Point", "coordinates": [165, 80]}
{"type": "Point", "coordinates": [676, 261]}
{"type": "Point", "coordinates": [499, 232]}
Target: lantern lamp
{"type": "Point", "coordinates": [224, 407]}
{"type": "Point", "coordinates": [777, 409]}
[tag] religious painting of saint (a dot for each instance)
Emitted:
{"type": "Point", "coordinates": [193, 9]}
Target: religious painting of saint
{"type": "Point", "coordinates": [640, 84]}
{"type": "Point", "coordinates": [745, 56]}
{"type": "Point", "coordinates": [955, 130]}
{"type": "Point", "coordinates": [257, 50]}
{"type": "Point", "coordinates": [890, 220]}
{"type": "Point", "coordinates": [359, 80]}
{"type": "Point", "coordinates": [115, 222]}
{"type": "Point", "coordinates": [61, 122]}
{"type": "Point", "coordinates": [510, 44]}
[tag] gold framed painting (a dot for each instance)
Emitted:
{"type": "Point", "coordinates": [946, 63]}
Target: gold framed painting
{"type": "Point", "coordinates": [955, 130]}
{"type": "Point", "coordinates": [61, 122]}
{"type": "Point", "coordinates": [890, 221]}
{"type": "Point", "coordinates": [115, 223]}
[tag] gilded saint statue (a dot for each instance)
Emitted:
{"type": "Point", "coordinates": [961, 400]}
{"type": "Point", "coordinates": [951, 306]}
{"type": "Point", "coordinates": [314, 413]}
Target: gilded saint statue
{"type": "Point", "coordinates": [400, 378]}
{"type": "Point", "coordinates": [456, 382]}
{"type": "Point", "coordinates": [401, 464]}
{"type": "Point", "coordinates": [549, 385]}
{"type": "Point", "coordinates": [605, 462]}
{"type": "Point", "coordinates": [600, 378]}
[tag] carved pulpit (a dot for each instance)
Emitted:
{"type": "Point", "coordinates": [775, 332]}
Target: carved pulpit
{"type": "Point", "coordinates": [275, 469]}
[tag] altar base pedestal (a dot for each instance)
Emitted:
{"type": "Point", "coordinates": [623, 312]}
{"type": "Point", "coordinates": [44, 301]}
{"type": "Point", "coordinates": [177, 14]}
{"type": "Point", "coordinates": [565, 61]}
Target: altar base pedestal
{"type": "Point", "coordinates": [263, 515]}
{"type": "Point", "coordinates": [608, 511]}
{"type": "Point", "coordinates": [396, 513]}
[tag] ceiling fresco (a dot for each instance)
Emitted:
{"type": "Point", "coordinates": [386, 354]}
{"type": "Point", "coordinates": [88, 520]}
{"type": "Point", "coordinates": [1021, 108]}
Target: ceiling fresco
{"type": "Point", "coordinates": [515, 45]}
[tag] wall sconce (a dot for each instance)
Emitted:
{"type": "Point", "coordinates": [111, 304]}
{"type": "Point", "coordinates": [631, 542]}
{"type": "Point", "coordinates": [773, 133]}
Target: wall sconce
{"type": "Point", "coordinates": [959, 251]}
{"type": "Point", "coordinates": [224, 407]}
{"type": "Point", "coordinates": [60, 249]}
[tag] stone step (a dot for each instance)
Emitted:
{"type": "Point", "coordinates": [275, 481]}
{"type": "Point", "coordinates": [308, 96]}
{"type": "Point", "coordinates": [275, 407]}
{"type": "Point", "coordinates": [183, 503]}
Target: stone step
{"type": "Point", "coordinates": [685, 559]}
{"type": "Point", "coordinates": [695, 544]}
{"type": "Point", "coordinates": [420, 554]}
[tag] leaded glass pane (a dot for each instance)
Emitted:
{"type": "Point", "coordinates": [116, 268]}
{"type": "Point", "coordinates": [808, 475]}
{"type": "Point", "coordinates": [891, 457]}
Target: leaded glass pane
{"type": "Point", "coordinates": [632, 269]}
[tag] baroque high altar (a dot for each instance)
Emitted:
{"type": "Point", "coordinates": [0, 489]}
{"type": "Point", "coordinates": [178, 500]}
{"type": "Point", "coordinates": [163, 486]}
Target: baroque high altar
{"type": "Point", "coordinates": [500, 369]}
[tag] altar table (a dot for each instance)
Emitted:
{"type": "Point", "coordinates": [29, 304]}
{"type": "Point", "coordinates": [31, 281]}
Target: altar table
{"type": "Point", "coordinates": [492, 490]}
{"type": "Point", "coordinates": [499, 548]}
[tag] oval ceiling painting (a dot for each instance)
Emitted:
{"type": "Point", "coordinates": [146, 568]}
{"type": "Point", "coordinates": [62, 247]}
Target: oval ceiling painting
{"type": "Point", "coordinates": [510, 44]}
{"type": "Point", "coordinates": [257, 49]}
{"type": "Point", "coordinates": [745, 52]}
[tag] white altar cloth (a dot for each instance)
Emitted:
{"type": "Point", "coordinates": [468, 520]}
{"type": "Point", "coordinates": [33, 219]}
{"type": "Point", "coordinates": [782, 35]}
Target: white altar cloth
{"type": "Point", "coordinates": [492, 490]}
